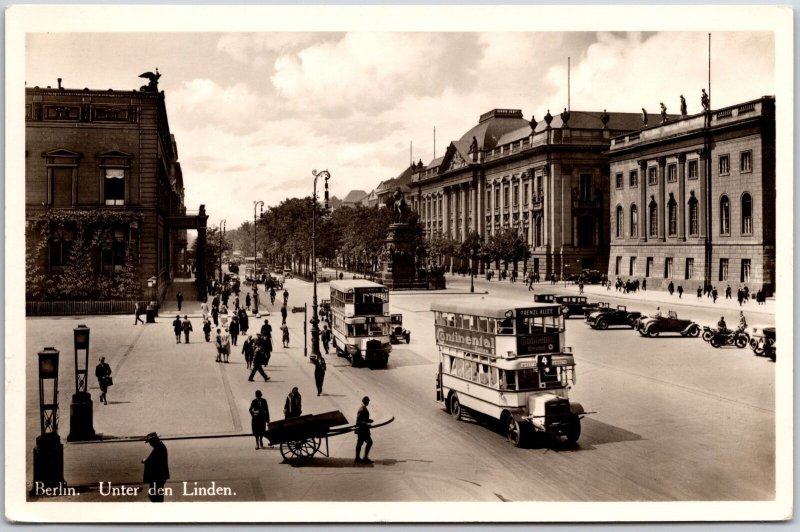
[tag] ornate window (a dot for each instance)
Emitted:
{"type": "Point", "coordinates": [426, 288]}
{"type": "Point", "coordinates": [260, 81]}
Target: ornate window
{"type": "Point", "coordinates": [746, 161]}
{"type": "Point", "coordinates": [633, 178]}
{"type": "Point", "coordinates": [672, 173]}
{"type": "Point", "coordinates": [692, 170]}
{"type": "Point", "coordinates": [724, 165]}
{"type": "Point", "coordinates": [539, 231]}
{"type": "Point", "coordinates": [634, 221]}
{"type": "Point", "coordinates": [112, 253]}
{"type": "Point", "coordinates": [620, 222]}
{"type": "Point", "coordinates": [672, 216]}
{"type": "Point", "coordinates": [618, 178]}
{"type": "Point", "coordinates": [693, 217]}
{"type": "Point", "coordinates": [652, 175]}
{"type": "Point", "coordinates": [114, 186]}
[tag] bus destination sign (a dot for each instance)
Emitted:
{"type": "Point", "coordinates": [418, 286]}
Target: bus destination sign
{"type": "Point", "coordinates": [536, 312]}
{"type": "Point", "coordinates": [537, 343]}
{"type": "Point", "coordinates": [371, 289]}
{"type": "Point", "coordinates": [473, 341]}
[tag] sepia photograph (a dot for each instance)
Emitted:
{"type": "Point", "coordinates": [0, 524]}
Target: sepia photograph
{"type": "Point", "coordinates": [398, 264]}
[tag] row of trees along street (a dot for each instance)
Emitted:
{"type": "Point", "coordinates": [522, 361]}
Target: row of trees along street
{"type": "Point", "coordinates": [352, 238]}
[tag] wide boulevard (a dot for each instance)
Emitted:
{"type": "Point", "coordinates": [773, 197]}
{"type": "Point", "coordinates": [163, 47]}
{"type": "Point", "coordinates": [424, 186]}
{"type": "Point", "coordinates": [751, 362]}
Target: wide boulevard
{"type": "Point", "coordinates": [672, 417]}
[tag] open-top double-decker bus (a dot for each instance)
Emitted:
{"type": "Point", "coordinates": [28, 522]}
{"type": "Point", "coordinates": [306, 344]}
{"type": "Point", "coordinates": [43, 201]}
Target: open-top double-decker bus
{"type": "Point", "coordinates": [509, 363]}
{"type": "Point", "coordinates": [360, 321]}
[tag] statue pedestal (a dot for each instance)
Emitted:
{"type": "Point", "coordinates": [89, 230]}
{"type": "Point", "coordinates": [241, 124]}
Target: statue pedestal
{"type": "Point", "coordinates": [398, 265]}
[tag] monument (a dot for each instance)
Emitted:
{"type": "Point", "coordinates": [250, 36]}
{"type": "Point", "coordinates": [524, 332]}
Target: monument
{"type": "Point", "coordinates": [398, 264]}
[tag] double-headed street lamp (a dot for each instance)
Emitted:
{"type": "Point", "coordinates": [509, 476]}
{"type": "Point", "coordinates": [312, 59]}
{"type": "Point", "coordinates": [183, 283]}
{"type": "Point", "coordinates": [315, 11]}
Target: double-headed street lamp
{"type": "Point", "coordinates": [256, 203]}
{"type": "Point", "coordinates": [314, 316]}
{"type": "Point", "coordinates": [221, 240]}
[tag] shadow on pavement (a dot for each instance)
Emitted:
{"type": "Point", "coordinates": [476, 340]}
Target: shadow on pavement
{"type": "Point", "coordinates": [349, 462]}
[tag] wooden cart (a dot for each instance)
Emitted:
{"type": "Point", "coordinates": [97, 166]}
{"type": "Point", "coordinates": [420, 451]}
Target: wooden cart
{"type": "Point", "coordinates": [300, 438]}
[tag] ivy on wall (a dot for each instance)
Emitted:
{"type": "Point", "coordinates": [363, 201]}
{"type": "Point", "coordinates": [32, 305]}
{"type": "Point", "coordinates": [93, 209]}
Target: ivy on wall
{"type": "Point", "coordinates": [80, 277]}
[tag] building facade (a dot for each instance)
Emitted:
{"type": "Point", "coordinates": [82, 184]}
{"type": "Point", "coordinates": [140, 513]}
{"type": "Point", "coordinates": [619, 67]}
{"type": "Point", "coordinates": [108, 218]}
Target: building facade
{"type": "Point", "coordinates": [693, 200]}
{"type": "Point", "coordinates": [546, 179]}
{"type": "Point", "coordinates": [102, 176]}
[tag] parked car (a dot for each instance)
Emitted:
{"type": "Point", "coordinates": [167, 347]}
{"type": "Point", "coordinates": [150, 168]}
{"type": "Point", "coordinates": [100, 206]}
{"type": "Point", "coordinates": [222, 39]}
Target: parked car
{"type": "Point", "coordinates": [287, 273]}
{"type": "Point", "coordinates": [601, 307]}
{"type": "Point", "coordinates": [398, 333]}
{"type": "Point", "coordinates": [652, 326]}
{"type": "Point", "coordinates": [544, 298]}
{"type": "Point", "coordinates": [603, 318]}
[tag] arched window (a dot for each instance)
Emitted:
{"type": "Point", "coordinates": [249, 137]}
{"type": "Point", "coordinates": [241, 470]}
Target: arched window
{"type": "Point", "coordinates": [634, 221]}
{"type": "Point", "coordinates": [724, 216]}
{"type": "Point", "coordinates": [693, 217]}
{"type": "Point", "coordinates": [620, 226]}
{"type": "Point", "coordinates": [747, 214]}
{"type": "Point", "coordinates": [672, 217]}
{"type": "Point", "coordinates": [653, 219]}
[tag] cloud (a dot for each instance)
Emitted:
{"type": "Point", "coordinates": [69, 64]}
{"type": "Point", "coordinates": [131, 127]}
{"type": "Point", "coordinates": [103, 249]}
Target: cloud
{"type": "Point", "coordinates": [372, 72]}
{"type": "Point", "coordinates": [252, 47]}
{"type": "Point", "coordinates": [231, 108]}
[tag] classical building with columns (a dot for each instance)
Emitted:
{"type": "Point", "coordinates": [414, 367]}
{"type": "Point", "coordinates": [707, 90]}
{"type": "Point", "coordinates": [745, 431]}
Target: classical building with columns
{"type": "Point", "coordinates": [693, 200]}
{"type": "Point", "coordinates": [547, 179]}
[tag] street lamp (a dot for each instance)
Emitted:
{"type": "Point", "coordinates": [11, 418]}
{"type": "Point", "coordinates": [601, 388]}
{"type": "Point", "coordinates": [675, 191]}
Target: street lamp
{"type": "Point", "coordinates": [81, 425]}
{"type": "Point", "coordinates": [256, 203]}
{"type": "Point", "coordinates": [48, 455]}
{"type": "Point", "coordinates": [314, 316]}
{"type": "Point", "coordinates": [221, 240]}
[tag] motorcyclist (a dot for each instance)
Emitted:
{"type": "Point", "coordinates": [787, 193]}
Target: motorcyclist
{"type": "Point", "coordinates": [721, 325]}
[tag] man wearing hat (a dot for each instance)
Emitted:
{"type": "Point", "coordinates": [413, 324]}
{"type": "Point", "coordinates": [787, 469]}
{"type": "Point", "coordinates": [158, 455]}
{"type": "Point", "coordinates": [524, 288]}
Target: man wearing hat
{"type": "Point", "coordinates": [156, 468]}
{"type": "Point", "coordinates": [259, 410]}
{"type": "Point", "coordinates": [363, 424]}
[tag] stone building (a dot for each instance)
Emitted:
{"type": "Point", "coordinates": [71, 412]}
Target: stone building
{"type": "Point", "coordinates": [547, 179]}
{"type": "Point", "coordinates": [693, 200]}
{"type": "Point", "coordinates": [106, 160]}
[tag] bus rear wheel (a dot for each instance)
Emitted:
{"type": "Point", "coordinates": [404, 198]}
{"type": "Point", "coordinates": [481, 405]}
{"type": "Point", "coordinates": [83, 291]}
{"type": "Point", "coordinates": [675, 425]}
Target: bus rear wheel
{"type": "Point", "coordinates": [455, 407]}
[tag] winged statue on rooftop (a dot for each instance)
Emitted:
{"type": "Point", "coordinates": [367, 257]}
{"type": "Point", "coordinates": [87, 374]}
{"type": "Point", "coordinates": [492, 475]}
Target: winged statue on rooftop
{"type": "Point", "coordinates": [153, 85]}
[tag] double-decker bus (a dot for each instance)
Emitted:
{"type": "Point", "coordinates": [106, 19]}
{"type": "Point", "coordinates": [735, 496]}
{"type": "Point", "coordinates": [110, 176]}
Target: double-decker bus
{"type": "Point", "coordinates": [508, 363]}
{"type": "Point", "coordinates": [360, 322]}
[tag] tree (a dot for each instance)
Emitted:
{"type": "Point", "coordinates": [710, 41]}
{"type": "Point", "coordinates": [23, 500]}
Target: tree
{"type": "Point", "coordinates": [507, 246]}
{"type": "Point", "coordinates": [213, 250]}
{"type": "Point", "coordinates": [441, 246]}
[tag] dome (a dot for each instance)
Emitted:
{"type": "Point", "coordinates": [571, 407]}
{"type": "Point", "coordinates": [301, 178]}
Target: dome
{"type": "Point", "coordinates": [491, 127]}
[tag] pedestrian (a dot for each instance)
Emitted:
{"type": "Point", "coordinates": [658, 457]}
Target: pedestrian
{"type": "Point", "coordinates": [728, 292]}
{"type": "Point", "coordinates": [530, 282]}
{"type": "Point", "coordinates": [226, 345]}
{"type": "Point", "coordinates": [319, 373]}
{"type": "Point", "coordinates": [259, 412]}
{"type": "Point", "coordinates": [137, 312]}
{"type": "Point", "coordinates": [293, 406]}
{"type": "Point", "coordinates": [699, 292]}
{"type": "Point", "coordinates": [234, 329]}
{"type": "Point", "coordinates": [156, 468]}
{"type": "Point", "coordinates": [177, 327]}
{"type": "Point", "coordinates": [207, 329]}
{"type": "Point", "coordinates": [236, 303]}
{"type": "Point", "coordinates": [103, 374]}
{"type": "Point", "coordinates": [247, 301]}
{"type": "Point", "coordinates": [179, 299]}
{"type": "Point", "coordinates": [255, 300]}
{"type": "Point", "coordinates": [187, 327]}
{"type": "Point", "coordinates": [285, 297]}
{"type": "Point", "coordinates": [248, 350]}
{"type": "Point", "coordinates": [714, 294]}
{"type": "Point", "coordinates": [326, 338]}
{"type": "Point", "coordinates": [259, 361]}
{"type": "Point", "coordinates": [671, 288]}
{"type": "Point", "coordinates": [215, 315]}
{"type": "Point", "coordinates": [284, 312]}
{"type": "Point", "coordinates": [363, 424]}
{"type": "Point", "coordinates": [266, 329]}
{"type": "Point", "coordinates": [341, 275]}
{"type": "Point", "coordinates": [644, 285]}
{"type": "Point", "coordinates": [680, 291]}
{"type": "Point", "coordinates": [272, 294]}
{"type": "Point", "coordinates": [220, 345]}
{"type": "Point", "coordinates": [285, 335]}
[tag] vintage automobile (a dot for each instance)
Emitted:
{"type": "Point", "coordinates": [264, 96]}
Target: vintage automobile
{"type": "Point", "coordinates": [652, 326]}
{"type": "Point", "coordinates": [601, 307]}
{"type": "Point", "coordinates": [762, 341]}
{"type": "Point", "coordinates": [603, 318]}
{"type": "Point", "coordinates": [575, 305]}
{"type": "Point", "coordinates": [544, 298]}
{"type": "Point", "coordinates": [398, 333]}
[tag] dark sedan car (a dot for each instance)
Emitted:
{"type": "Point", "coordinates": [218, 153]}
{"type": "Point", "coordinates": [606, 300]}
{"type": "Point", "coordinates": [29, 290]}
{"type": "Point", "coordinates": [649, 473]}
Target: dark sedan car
{"type": "Point", "coordinates": [603, 318]}
{"type": "Point", "coordinates": [652, 326]}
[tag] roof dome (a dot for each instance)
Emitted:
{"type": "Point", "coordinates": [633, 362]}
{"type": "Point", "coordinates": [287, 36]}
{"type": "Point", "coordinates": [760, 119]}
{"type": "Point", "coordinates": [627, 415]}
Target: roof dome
{"type": "Point", "coordinates": [492, 126]}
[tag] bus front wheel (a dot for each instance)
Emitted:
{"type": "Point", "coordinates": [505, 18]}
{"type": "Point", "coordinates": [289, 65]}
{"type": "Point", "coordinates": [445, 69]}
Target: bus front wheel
{"type": "Point", "coordinates": [573, 431]}
{"type": "Point", "coordinates": [516, 433]}
{"type": "Point", "coordinates": [455, 407]}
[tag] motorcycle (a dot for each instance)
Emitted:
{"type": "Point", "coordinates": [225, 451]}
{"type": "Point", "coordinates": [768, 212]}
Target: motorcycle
{"type": "Point", "coordinates": [708, 332]}
{"type": "Point", "coordinates": [739, 338]}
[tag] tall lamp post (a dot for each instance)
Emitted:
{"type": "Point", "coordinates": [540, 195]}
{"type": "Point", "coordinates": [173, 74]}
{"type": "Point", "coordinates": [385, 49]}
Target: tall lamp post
{"type": "Point", "coordinates": [255, 231]}
{"type": "Point", "coordinates": [81, 423]}
{"type": "Point", "coordinates": [221, 240]}
{"type": "Point", "coordinates": [48, 455]}
{"type": "Point", "coordinates": [314, 316]}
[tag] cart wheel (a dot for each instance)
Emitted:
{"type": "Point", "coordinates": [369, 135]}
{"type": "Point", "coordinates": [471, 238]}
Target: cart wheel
{"type": "Point", "coordinates": [301, 450]}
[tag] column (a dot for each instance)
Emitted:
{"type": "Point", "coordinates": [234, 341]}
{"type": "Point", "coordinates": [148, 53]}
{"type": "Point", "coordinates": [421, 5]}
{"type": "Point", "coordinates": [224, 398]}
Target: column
{"type": "Point", "coordinates": [464, 189]}
{"type": "Point", "coordinates": [445, 212]}
{"type": "Point", "coordinates": [476, 212]}
{"type": "Point", "coordinates": [662, 204]}
{"type": "Point", "coordinates": [480, 204]}
{"type": "Point", "coordinates": [492, 206]}
{"type": "Point", "coordinates": [644, 213]}
{"type": "Point", "coordinates": [682, 196]}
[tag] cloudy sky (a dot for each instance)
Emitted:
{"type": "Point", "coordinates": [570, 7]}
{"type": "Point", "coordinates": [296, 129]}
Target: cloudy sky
{"type": "Point", "coordinates": [254, 113]}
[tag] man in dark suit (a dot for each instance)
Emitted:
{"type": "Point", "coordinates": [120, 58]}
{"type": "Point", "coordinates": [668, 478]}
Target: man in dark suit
{"type": "Point", "coordinates": [259, 410]}
{"type": "Point", "coordinates": [177, 326]}
{"type": "Point", "coordinates": [363, 424]}
{"type": "Point", "coordinates": [259, 360]}
{"type": "Point", "coordinates": [156, 468]}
